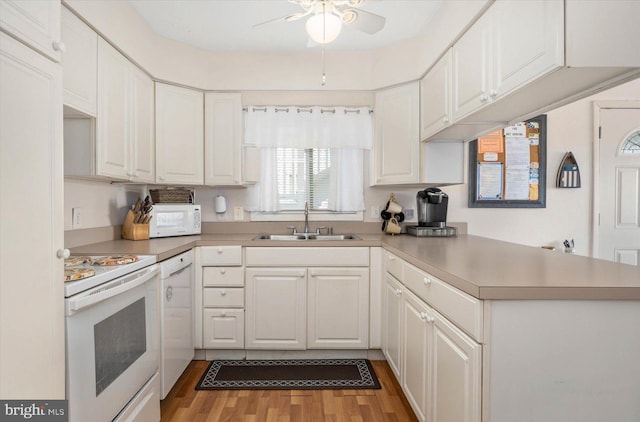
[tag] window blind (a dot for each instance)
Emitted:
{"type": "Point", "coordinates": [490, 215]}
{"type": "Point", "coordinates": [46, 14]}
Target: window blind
{"type": "Point", "coordinates": [303, 176]}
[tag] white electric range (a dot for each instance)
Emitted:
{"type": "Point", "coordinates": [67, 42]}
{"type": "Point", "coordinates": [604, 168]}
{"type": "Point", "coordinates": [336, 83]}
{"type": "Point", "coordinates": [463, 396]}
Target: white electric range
{"type": "Point", "coordinates": [112, 342]}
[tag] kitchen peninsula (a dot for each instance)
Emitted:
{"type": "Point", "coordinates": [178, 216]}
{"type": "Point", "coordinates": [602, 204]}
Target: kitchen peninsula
{"type": "Point", "coordinates": [551, 335]}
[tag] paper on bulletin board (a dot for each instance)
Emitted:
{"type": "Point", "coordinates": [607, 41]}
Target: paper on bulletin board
{"type": "Point", "coordinates": [491, 142]}
{"type": "Point", "coordinates": [489, 181]}
{"type": "Point", "coordinates": [517, 184]}
{"type": "Point", "coordinates": [517, 154]}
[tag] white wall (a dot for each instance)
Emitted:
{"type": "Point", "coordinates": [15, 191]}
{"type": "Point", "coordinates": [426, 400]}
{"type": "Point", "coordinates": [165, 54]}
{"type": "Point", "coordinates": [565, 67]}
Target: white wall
{"type": "Point", "coordinates": [569, 211]}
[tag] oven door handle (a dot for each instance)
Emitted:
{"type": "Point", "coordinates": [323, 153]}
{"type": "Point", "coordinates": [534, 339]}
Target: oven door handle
{"type": "Point", "coordinates": [76, 305]}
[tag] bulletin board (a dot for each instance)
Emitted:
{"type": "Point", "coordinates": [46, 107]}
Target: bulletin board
{"type": "Point", "coordinates": [507, 168]}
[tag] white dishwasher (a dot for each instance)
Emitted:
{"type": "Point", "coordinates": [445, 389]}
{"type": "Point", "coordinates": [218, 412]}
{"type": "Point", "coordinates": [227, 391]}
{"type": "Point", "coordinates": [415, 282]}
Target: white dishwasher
{"type": "Point", "coordinates": [176, 318]}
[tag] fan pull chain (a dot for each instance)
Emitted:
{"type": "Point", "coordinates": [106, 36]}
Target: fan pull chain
{"type": "Point", "coordinates": [324, 37]}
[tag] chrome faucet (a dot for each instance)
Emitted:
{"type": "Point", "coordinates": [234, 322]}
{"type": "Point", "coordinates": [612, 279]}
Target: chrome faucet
{"type": "Point", "coordinates": [306, 217]}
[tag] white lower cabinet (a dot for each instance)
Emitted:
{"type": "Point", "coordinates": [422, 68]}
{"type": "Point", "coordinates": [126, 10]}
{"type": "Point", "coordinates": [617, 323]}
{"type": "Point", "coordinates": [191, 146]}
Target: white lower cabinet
{"type": "Point", "coordinates": [221, 275]}
{"type": "Point", "coordinates": [418, 340]}
{"type": "Point", "coordinates": [338, 308]}
{"type": "Point", "coordinates": [276, 308]}
{"type": "Point", "coordinates": [439, 367]}
{"type": "Point", "coordinates": [455, 376]}
{"type": "Point", "coordinates": [223, 328]}
{"type": "Point", "coordinates": [392, 322]}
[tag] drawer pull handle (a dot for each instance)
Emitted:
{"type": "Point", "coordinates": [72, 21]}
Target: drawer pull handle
{"type": "Point", "coordinates": [427, 281]}
{"type": "Point", "coordinates": [398, 292]}
{"type": "Point", "coordinates": [423, 316]}
{"type": "Point", "coordinates": [223, 271]}
{"type": "Point", "coordinates": [223, 293]}
{"type": "Point", "coordinates": [169, 293]}
{"type": "Point", "coordinates": [301, 275]}
{"type": "Point", "coordinates": [392, 258]}
{"type": "Point", "coordinates": [220, 250]}
{"type": "Point", "coordinates": [223, 314]}
{"type": "Point", "coordinates": [431, 319]}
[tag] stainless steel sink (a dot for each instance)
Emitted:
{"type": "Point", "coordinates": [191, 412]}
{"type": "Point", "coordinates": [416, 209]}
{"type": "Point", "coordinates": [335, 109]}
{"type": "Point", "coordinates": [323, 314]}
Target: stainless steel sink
{"type": "Point", "coordinates": [307, 236]}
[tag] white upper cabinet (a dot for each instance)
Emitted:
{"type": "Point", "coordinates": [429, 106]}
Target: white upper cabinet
{"type": "Point", "coordinates": [396, 149]}
{"type": "Point", "coordinates": [512, 44]}
{"type": "Point", "coordinates": [79, 64]}
{"type": "Point", "coordinates": [528, 42]}
{"type": "Point", "coordinates": [124, 121]}
{"type": "Point", "coordinates": [223, 139]}
{"type": "Point", "coordinates": [36, 23]}
{"type": "Point", "coordinates": [471, 65]}
{"type": "Point", "coordinates": [435, 97]}
{"type": "Point", "coordinates": [143, 146]}
{"type": "Point", "coordinates": [112, 137]}
{"type": "Point", "coordinates": [179, 135]}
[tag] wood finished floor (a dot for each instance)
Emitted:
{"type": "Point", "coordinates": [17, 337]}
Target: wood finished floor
{"type": "Point", "coordinates": [185, 403]}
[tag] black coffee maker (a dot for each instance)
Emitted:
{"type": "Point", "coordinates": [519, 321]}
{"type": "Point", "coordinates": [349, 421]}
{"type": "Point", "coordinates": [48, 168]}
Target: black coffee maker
{"type": "Point", "coordinates": [431, 205]}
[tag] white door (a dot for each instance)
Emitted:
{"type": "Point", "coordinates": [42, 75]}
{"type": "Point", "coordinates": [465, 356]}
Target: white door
{"type": "Point", "coordinates": [142, 127]}
{"type": "Point", "coordinates": [276, 308]}
{"type": "Point", "coordinates": [619, 197]}
{"type": "Point", "coordinates": [223, 328]}
{"type": "Point", "coordinates": [417, 354]}
{"type": "Point", "coordinates": [223, 139]}
{"type": "Point", "coordinates": [397, 135]}
{"type": "Point", "coordinates": [435, 98]}
{"type": "Point", "coordinates": [31, 225]}
{"type": "Point", "coordinates": [392, 323]}
{"type": "Point", "coordinates": [179, 135]}
{"type": "Point", "coordinates": [455, 375]}
{"type": "Point", "coordinates": [338, 308]}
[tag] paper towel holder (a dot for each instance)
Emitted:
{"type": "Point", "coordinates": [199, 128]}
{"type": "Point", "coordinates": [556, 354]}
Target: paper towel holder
{"type": "Point", "coordinates": [220, 204]}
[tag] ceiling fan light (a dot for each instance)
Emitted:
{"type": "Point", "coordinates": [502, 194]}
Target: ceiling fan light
{"type": "Point", "coordinates": [324, 27]}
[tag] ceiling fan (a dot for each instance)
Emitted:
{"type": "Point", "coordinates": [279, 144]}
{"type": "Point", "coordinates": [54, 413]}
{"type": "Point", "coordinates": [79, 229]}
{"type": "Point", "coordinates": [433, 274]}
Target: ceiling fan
{"type": "Point", "coordinates": [326, 18]}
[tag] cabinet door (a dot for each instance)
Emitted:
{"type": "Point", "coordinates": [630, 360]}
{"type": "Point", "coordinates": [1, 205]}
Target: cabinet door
{"type": "Point", "coordinates": [31, 224]}
{"type": "Point", "coordinates": [142, 145]}
{"type": "Point", "coordinates": [35, 22]}
{"type": "Point", "coordinates": [541, 33]}
{"type": "Point", "coordinates": [223, 329]}
{"type": "Point", "coordinates": [397, 135]}
{"type": "Point", "coordinates": [112, 121]}
{"type": "Point", "coordinates": [435, 95]}
{"type": "Point", "coordinates": [470, 67]}
{"type": "Point", "coordinates": [338, 308]}
{"type": "Point", "coordinates": [223, 139]}
{"type": "Point", "coordinates": [416, 356]}
{"type": "Point", "coordinates": [456, 374]}
{"type": "Point", "coordinates": [179, 135]}
{"type": "Point", "coordinates": [80, 64]}
{"type": "Point", "coordinates": [276, 308]}
{"type": "Point", "coordinates": [392, 323]}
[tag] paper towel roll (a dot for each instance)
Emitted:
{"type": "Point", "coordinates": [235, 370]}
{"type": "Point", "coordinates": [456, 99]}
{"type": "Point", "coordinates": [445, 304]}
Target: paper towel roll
{"type": "Point", "coordinates": [221, 204]}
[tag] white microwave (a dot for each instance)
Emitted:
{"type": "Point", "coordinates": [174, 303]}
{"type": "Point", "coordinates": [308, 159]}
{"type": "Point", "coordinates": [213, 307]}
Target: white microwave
{"type": "Point", "coordinates": [175, 220]}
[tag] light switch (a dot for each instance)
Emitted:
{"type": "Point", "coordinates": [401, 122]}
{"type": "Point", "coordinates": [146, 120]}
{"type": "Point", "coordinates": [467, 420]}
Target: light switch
{"type": "Point", "coordinates": [238, 213]}
{"type": "Point", "coordinates": [76, 218]}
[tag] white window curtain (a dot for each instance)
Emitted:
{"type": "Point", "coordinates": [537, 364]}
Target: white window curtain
{"type": "Point", "coordinates": [346, 131]}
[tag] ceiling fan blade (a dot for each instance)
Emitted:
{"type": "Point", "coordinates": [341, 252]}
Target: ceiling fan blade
{"type": "Point", "coordinates": [289, 18]}
{"type": "Point", "coordinates": [362, 20]}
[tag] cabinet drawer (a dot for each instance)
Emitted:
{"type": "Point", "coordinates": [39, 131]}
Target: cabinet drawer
{"type": "Point", "coordinates": [223, 276]}
{"type": "Point", "coordinates": [220, 297]}
{"type": "Point", "coordinates": [220, 255]}
{"type": "Point", "coordinates": [393, 265]}
{"type": "Point", "coordinates": [463, 310]}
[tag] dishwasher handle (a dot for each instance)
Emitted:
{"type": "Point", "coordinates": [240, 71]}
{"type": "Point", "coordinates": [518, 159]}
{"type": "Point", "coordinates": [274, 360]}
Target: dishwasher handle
{"type": "Point", "coordinates": [109, 290]}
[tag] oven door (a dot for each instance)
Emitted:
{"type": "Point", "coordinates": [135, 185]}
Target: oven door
{"type": "Point", "coordinates": [112, 344]}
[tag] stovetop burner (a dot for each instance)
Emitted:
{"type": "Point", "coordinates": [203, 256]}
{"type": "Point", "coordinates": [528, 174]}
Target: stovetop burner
{"type": "Point", "coordinates": [96, 270]}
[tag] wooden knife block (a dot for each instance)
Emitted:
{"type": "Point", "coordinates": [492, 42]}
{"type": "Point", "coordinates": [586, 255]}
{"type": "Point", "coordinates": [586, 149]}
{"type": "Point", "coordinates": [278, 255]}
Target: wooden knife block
{"type": "Point", "coordinates": [133, 231]}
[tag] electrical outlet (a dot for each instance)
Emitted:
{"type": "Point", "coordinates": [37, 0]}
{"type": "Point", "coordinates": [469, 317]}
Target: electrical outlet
{"type": "Point", "coordinates": [375, 211]}
{"type": "Point", "coordinates": [76, 218]}
{"type": "Point", "coordinates": [408, 213]}
{"type": "Point", "coordinates": [238, 213]}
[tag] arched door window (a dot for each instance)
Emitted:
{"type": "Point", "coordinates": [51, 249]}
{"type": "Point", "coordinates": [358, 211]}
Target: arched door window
{"type": "Point", "coordinates": [631, 145]}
